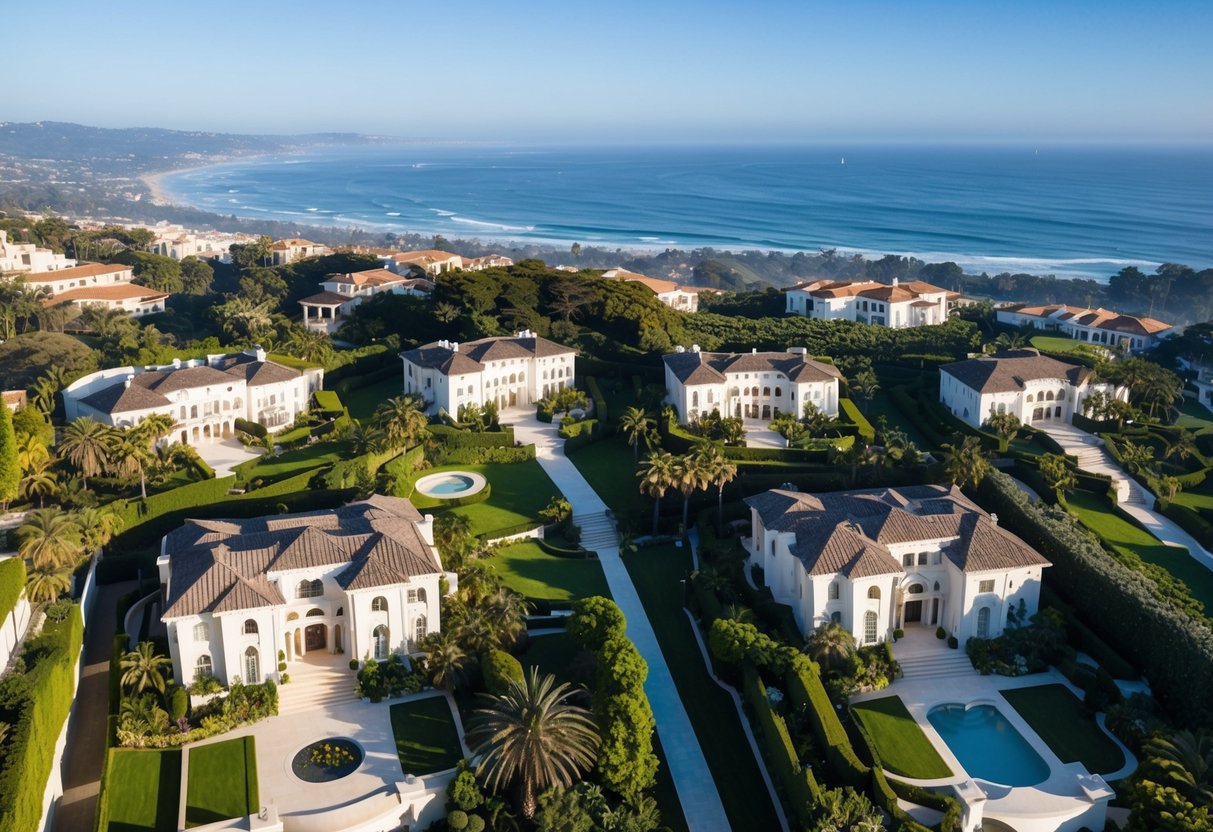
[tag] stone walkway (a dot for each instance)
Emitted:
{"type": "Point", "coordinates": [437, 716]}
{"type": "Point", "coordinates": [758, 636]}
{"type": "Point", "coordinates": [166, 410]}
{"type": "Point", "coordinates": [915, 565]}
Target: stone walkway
{"type": "Point", "coordinates": [701, 804]}
{"type": "Point", "coordinates": [1131, 495]}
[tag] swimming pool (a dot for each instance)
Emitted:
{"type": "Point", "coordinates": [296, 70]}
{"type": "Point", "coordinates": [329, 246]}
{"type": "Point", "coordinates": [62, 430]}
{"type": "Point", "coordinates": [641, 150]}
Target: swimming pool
{"type": "Point", "coordinates": [987, 745]}
{"type": "Point", "coordinates": [451, 484]}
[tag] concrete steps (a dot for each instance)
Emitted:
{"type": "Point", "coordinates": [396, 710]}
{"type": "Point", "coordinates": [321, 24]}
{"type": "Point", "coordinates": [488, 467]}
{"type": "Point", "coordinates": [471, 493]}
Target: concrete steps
{"type": "Point", "coordinates": [597, 531]}
{"type": "Point", "coordinates": [938, 664]}
{"type": "Point", "coordinates": [315, 687]}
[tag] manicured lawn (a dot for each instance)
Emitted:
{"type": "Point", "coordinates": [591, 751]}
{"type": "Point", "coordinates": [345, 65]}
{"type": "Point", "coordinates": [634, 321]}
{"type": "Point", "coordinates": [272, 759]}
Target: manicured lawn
{"type": "Point", "coordinates": [526, 568]}
{"type": "Point", "coordinates": [882, 405]}
{"type": "Point", "coordinates": [1095, 512]}
{"type": "Point", "coordinates": [143, 789]}
{"type": "Point", "coordinates": [426, 737]}
{"type": "Point", "coordinates": [609, 467]}
{"type": "Point", "coordinates": [656, 573]}
{"type": "Point", "coordinates": [1194, 416]}
{"type": "Point", "coordinates": [1059, 718]}
{"type": "Point", "coordinates": [903, 748]}
{"type": "Point", "coordinates": [362, 402]}
{"type": "Point", "coordinates": [222, 782]}
{"type": "Point", "coordinates": [297, 461]}
{"type": "Point", "coordinates": [1059, 343]}
{"type": "Point", "coordinates": [518, 493]}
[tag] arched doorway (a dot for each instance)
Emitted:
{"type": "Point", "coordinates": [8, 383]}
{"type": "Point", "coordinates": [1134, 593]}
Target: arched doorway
{"type": "Point", "coordinates": [252, 667]}
{"type": "Point", "coordinates": [315, 637]}
{"type": "Point", "coordinates": [913, 608]}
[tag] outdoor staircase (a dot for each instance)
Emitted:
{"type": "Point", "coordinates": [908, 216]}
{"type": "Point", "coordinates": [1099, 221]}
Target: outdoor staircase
{"type": "Point", "coordinates": [315, 686]}
{"type": "Point", "coordinates": [936, 664]}
{"type": "Point", "coordinates": [597, 531]}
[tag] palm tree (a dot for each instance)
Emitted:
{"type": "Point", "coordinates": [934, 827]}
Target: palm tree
{"type": "Point", "coordinates": [47, 583]}
{"type": "Point", "coordinates": [308, 345]}
{"type": "Point", "coordinates": [1183, 447]}
{"type": "Point", "coordinates": [143, 668]}
{"type": "Point", "coordinates": [32, 456]}
{"type": "Point", "coordinates": [131, 456]}
{"type": "Point", "coordinates": [40, 484]}
{"type": "Point", "coordinates": [1057, 473]}
{"type": "Point", "coordinates": [656, 478]}
{"type": "Point", "coordinates": [401, 420]}
{"type": "Point", "coordinates": [503, 612]}
{"type": "Point", "coordinates": [50, 538]}
{"type": "Point", "coordinates": [1187, 758]}
{"type": "Point", "coordinates": [155, 427]}
{"type": "Point", "coordinates": [42, 394]}
{"type": "Point", "coordinates": [966, 465]}
{"type": "Point", "coordinates": [533, 738]}
{"type": "Point", "coordinates": [444, 312]}
{"type": "Point", "coordinates": [635, 423]}
{"type": "Point", "coordinates": [719, 471]}
{"type": "Point", "coordinates": [98, 526]}
{"type": "Point", "coordinates": [690, 475]}
{"type": "Point", "coordinates": [830, 645]}
{"type": "Point", "coordinates": [864, 385]}
{"type": "Point", "coordinates": [445, 660]}
{"type": "Point", "coordinates": [87, 445]}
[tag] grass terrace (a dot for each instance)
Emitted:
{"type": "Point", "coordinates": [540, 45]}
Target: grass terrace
{"type": "Point", "coordinates": [656, 573]}
{"type": "Point", "coordinates": [903, 747]}
{"type": "Point", "coordinates": [1058, 343]}
{"type": "Point", "coordinates": [222, 782]}
{"type": "Point", "coordinates": [362, 401]}
{"type": "Point", "coordinates": [289, 463]}
{"type": "Point", "coordinates": [882, 405]}
{"type": "Point", "coordinates": [606, 464]}
{"type": "Point", "coordinates": [1061, 721]}
{"type": "Point", "coordinates": [426, 737]}
{"type": "Point", "coordinates": [526, 568]}
{"type": "Point", "coordinates": [1096, 513]}
{"type": "Point", "coordinates": [519, 491]}
{"type": "Point", "coordinates": [143, 790]}
{"type": "Point", "coordinates": [1194, 416]}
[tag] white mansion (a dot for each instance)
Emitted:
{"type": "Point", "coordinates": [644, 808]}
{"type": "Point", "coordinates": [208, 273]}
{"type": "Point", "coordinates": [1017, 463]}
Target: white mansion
{"type": "Point", "coordinates": [748, 385]}
{"type": "Point", "coordinates": [340, 293]}
{"type": "Point", "coordinates": [881, 559]}
{"type": "Point", "coordinates": [1101, 327]}
{"type": "Point", "coordinates": [204, 396]}
{"type": "Point", "coordinates": [362, 580]}
{"type": "Point", "coordinates": [510, 371]}
{"type": "Point", "coordinates": [97, 284]}
{"type": "Point", "coordinates": [28, 257]}
{"type": "Point", "coordinates": [1032, 386]}
{"type": "Point", "coordinates": [673, 295]}
{"type": "Point", "coordinates": [898, 305]}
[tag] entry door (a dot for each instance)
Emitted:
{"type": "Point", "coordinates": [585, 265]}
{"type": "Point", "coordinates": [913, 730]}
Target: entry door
{"type": "Point", "coordinates": [913, 612]}
{"type": "Point", "coordinates": [314, 636]}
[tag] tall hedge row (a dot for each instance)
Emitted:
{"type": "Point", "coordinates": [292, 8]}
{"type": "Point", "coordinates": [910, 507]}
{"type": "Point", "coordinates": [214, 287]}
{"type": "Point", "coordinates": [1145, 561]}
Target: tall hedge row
{"type": "Point", "coordinates": [12, 581]}
{"type": "Point", "coordinates": [36, 704]}
{"type": "Point", "coordinates": [454, 437]}
{"type": "Point", "coordinates": [808, 694]}
{"type": "Point", "coordinates": [849, 413]}
{"type": "Point", "coordinates": [605, 425]}
{"type": "Point", "coordinates": [1173, 647]}
{"type": "Point", "coordinates": [799, 784]}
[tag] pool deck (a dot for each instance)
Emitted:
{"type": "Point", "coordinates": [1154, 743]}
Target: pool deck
{"type": "Point", "coordinates": [1069, 790]}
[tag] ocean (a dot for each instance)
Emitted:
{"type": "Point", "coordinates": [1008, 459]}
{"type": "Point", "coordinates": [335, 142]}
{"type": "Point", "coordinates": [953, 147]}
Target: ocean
{"type": "Point", "coordinates": [1069, 211]}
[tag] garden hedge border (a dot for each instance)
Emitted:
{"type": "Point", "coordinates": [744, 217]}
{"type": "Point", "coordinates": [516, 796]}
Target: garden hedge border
{"type": "Point", "coordinates": [12, 582]}
{"type": "Point", "coordinates": [799, 785]}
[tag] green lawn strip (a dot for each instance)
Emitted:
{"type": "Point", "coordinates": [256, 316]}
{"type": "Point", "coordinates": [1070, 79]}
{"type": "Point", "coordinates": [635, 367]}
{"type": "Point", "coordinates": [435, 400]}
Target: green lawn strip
{"type": "Point", "coordinates": [1197, 498]}
{"type": "Point", "coordinates": [1057, 343]}
{"type": "Point", "coordinates": [519, 491]}
{"type": "Point", "coordinates": [427, 740]}
{"type": "Point", "coordinates": [656, 573]}
{"type": "Point", "coordinates": [143, 790]}
{"type": "Point", "coordinates": [220, 784]}
{"type": "Point", "coordinates": [1061, 721]}
{"type": "Point", "coordinates": [1194, 416]}
{"type": "Point", "coordinates": [297, 461]}
{"type": "Point", "coordinates": [881, 405]}
{"type": "Point", "coordinates": [526, 568]}
{"type": "Point", "coordinates": [1095, 512]}
{"type": "Point", "coordinates": [904, 749]}
{"type": "Point", "coordinates": [361, 403]}
{"type": "Point", "coordinates": [609, 466]}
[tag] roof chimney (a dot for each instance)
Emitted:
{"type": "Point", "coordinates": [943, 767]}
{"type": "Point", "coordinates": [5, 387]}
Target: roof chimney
{"type": "Point", "coordinates": [680, 349]}
{"type": "Point", "coordinates": [127, 382]}
{"type": "Point", "coordinates": [798, 350]}
{"type": "Point", "coordinates": [753, 350]}
{"type": "Point", "coordinates": [895, 281]}
{"type": "Point", "coordinates": [694, 348]}
{"type": "Point", "coordinates": [994, 518]}
{"type": "Point", "coordinates": [176, 363]}
{"type": "Point", "coordinates": [454, 346]}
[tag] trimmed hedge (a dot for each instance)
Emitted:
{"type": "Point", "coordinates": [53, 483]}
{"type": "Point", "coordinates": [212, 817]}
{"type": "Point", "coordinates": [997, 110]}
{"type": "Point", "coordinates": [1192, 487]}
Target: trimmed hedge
{"type": "Point", "coordinates": [251, 428]}
{"type": "Point", "coordinates": [1190, 521]}
{"type": "Point", "coordinates": [808, 694]}
{"type": "Point", "coordinates": [36, 704]}
{"type": "Point", "coordinates": [884, 794]}
{"type": "Point", "coordinates": [328, 403]}
{"type": "Point", "coordinates": [481, 456]}
{"type": "Point", "coordinates": [799, 785]}
{"type": "Point", "coordinates": [454, 437]}
{"type": "Point", "coordinates": [849, 413]}
{"type": "Point", "coordinates": [500, 669]}
{"type": "Point", "coordinates": [583, 427]}
{"type": "Point", "coordinates": [1092, 425]}
{"type": "Point", "coordinates": [12, 581]}
{"type": "Point", "coordinates": [605, 426]}
{"type": "Point", "coordinates": [350, 473]}
{"type": "Point", "coordinates": [933, 800]}
{"type": "Point", "coordinates": [344, 386]}
{"type": "Point", "coordinates": [561, 552]}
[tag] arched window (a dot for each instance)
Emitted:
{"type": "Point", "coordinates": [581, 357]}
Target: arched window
{"type": "Point", "coordinates": [202, 632]}
{"type": "Point", "coordinates": [778, 391]}
{"type": "Point", "coordinates": [309, 589]}
{"type": "Point", "coordinates": [380, 637]}
{"type": "Point", "coordinates": [419, 628]}
{"type": "Point", "coordinates": [1049, 396]}
{"type": "Point", "coordinates": [833, 591]}
{"type": "Point", "coordinates": [869, 627]}
{"type": "Point", "coordinates": [250, 627]}
{"type": "Point", "coordinates": [314, 612]}
{"type": "Point", "coordinates": [340, 611]}
{"type": "Point", "coordinates": [916, 589]}
{"type": "Point", "coordinates": [766, 391]}
{"type": "Point", "coordinates": [513, 378]}
{"type": "Point", "coordinates": [937, 586]}
{"type": "Point", "coordinates": [694, 398]}
{"type": "Point", "coordinates": [1061, 395]}
{"type": "Point", "coordinates": [292, 616]}
{"type": "Point", "coordinates": [1030, 398]}
{"type": "Point", "coordinates": [252, 667]}
{"type": "Point", "coordinates": [379, 604]}
{"type": "Point", "coordinates": [203, 667]}
{"type": "Point", "coordinates": [874, 593]}
{"type": "Point", "coordinates": [983, 622]}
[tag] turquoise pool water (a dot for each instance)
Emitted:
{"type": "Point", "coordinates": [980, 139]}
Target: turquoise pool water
{"type": "Point", "coordinates": [987, 745]}
{"type": "Point", "coordinates": [453, 484]}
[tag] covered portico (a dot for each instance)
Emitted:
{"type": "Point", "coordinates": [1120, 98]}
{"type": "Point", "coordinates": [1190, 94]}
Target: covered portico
{"type": "Point", "coordinates": [322, 312]}
{"type": "Point", "coordinates": [920, 602]}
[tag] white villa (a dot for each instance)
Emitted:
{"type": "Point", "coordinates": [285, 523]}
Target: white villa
{"type": "Point", "coordinates": [326, 310]}
{"type": "Point", "coordinates": [287, 251]}
{"type": "Point", "coordinates": [362, 580]}
{"type": "Point", "coordinates": [748, 385]}
{"type": "Point", "coordinates": [898, 305]}
{"type": "Point", "coordinates": [431, 261]}
{"type": "Point", "coordinates": [882, 559]}
{"type": "Point", "coordinates": [204, 396]}
{"type": "Point", "coordinates": [510, 371]}
{"type": "Point", "coordinates": [97, 284]}
{"type": "Point", "coordinates": [1091, 326]}
{"type": "Point", "coordinates": [667, 291]}
{"type": "Point", "coordinates": [1032, 386]}
{"type": "Point", "coordinates": [27, 257]}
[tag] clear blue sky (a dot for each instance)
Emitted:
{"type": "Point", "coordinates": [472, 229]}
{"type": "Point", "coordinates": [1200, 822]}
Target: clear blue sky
{"type": "Point", "coordinates": [621, 70]}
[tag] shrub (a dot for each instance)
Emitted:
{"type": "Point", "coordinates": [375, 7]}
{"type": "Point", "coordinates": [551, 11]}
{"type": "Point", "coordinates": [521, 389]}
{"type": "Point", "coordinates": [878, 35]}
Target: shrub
{"type": "Point", "coordinates": [941, 633]}
{"type": "Point", "coordinates": [595, 621]}
{"type": "Point", "coordinates": [953, 642]}
{"type": "Point", "coordinates": [849, 413]}
{"type": "Point", "coordinates": [354, 664]}
{"type": "Point", "coordinates": [500, 669]}
{"type": "Point", "coordinates": [328, 403]}
{"type": "Point", "coordinates": [457, 820]}
{"type": "Point", "coordinates": [178, 703]}
{"type": "Point", "coordinates": [898, 634]}
{"type": "Point", "coordinates": [286, 679]}
{"type": "Point", "coordinates": [251, 428]}
{"type": "Point", "coordinates": [12, 581]}
{"type": "Point", "coordinates": [798, 782]}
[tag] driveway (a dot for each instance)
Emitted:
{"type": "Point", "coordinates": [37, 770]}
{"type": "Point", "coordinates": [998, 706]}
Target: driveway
{"type": "Point", "coordinates": [223, 455]}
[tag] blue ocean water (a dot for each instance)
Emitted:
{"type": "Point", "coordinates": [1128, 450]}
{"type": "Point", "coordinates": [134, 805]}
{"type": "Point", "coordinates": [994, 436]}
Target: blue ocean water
{"type": "Point", "coordinates": [1077, 212]}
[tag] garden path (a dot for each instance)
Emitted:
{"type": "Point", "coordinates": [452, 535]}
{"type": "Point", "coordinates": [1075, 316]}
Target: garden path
{"type": "Point", "coordinates": [701, 804]}
{"type": "Point", "coordinates": [1131, 495]}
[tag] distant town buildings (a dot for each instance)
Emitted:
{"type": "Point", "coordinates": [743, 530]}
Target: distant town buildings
{"type": "Point", "coordinates": [898, 305]}
{"type": "Point", "coordinates": [749, 385]}
{"type": "Point", "coordinates": [179, 243]}
{"type": "Point", "coordinates": [327, 310]}
{"type": "Point", "coordinates": [203, 396]}
{"type": "Point", "coordinates": [1101, 327]}
{"type": "Point", "coordinates": [668, 292]}
{"type": "Point", "coordinates": [510, 371]}
{"type": "Point", "coordinates": [27, 257]}
{"type": "Point", "coordinates": [1033, 387]}
{"type": "Point", "coordinates": [284, 252]}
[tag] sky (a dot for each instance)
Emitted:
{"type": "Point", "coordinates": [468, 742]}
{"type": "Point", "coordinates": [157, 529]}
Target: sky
{"type": "Point", "coordinates": [623, 71]}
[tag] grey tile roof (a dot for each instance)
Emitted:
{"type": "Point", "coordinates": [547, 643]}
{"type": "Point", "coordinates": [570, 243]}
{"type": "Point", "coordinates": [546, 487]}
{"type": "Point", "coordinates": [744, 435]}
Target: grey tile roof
{"type": "Point", "coordinates": [186, 378]}
{"type": "Point", "coordinates": [711, 367]}
{"type": "Point", "coordinates": [118, 398]}
{"type": "Point", "coordinates": [849, 532]}
{"type": "Point", "coordinates": [223, 565]}
{"type": "Point", "coordinates": [472, 354]}
{"type": "Point", "coordinates": [1008, 371]}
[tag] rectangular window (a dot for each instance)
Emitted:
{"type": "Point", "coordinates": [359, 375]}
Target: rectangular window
{"type": "Point", "coordinates": [922, 558]}
{"type": "Point", "coordinates": [907, 560]}
{"type": "Point", "coordinates": [985, 586]}
{"type": "Point", "coordinates": [412, 596]}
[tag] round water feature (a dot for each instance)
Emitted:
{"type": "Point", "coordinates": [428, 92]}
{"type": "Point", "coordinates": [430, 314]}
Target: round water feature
{"type": "Point", "coordinates": [450, 484]}
{"type": "Point", "coordinates": [326, 760]}
{"type": "Point", "coordinates": [987, 745]}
